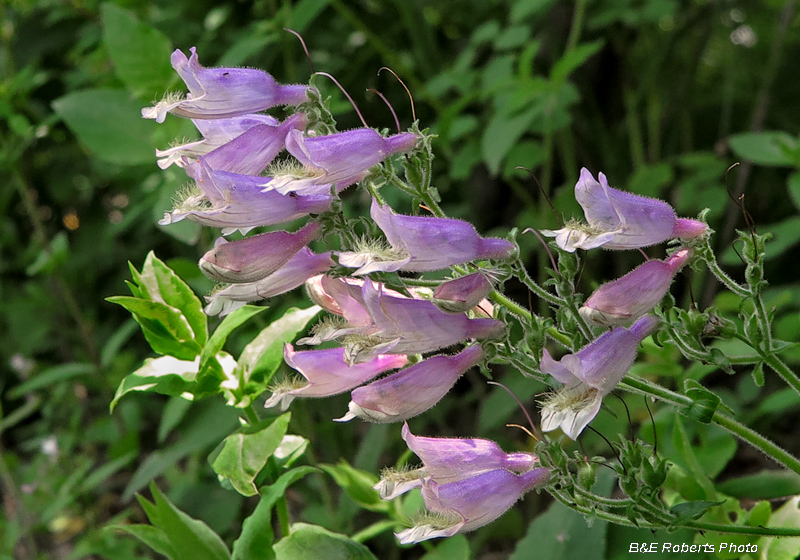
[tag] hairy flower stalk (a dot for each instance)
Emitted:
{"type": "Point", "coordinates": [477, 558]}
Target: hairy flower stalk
{"type": "Point", "coordinates": [327, 373]}
{"type": "Point", "coordinates": [423, 243]}
{"type": "Point", "coordinates": [216, 93]}
{"type": "Point", "coordinates": [625, 299]}
{"type": "Point", "coordinates": [410, 391]}
{"type": "Point", "coordinates": [589, 375]}
{"type": "Point", "coordinates": [621, 220]}
{"type": "Point", "coordinates": [448, 460]}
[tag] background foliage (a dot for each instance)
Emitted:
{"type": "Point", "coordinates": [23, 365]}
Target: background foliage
{"type": "Point", "coordinates": [661, 95]}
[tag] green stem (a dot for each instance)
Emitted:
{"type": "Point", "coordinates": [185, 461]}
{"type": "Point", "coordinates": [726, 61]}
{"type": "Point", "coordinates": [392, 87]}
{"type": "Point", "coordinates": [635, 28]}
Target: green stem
{"type": "Point", "coordinates": [373, 530]}
{"type": "Point", "coordinates": [251, 415]}
{"type": "Point", "coordinates": [283, 515]}
{"type": "Point", "coordinates": [788, 376]}
{"type": "Point", "coordinates": [763, 322]}
{"type": "Point", "coordinates": [769, 448]}
{"type": "Point", "coordinates": [577, 26]}
{"type": "Point", "coordinates": [722, 276]}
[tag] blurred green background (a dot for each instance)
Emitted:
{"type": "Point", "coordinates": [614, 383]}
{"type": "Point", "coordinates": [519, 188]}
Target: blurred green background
{"type": "Point", "coordinates": [661, 95]}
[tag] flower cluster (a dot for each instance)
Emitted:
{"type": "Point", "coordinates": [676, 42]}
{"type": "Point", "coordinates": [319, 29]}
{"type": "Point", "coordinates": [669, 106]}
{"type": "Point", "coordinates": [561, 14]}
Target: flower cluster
{"type": "Point", "coordinates": [393, 330]}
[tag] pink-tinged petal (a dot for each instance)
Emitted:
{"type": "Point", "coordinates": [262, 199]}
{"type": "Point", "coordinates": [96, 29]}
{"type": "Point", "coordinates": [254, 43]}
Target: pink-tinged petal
{"type": "Point", "coordinates": [254, 258]}
{"type": "Point", "coordinates": [590, 374]}
{"type": "Point", "coordinates": [436, 243]}
{"type": "Point", "coordinates": [451, 459]}
{"type": "Point", "coordinates": [627, 298]}
{"type": "Point", "coordinates": [252, 151]}
{"type": "Point", "coordinates": [419, 325]}
{"type": "Point", "coordinates": [339, 159]}
{"type": "Point", "coordinates": [223, 92]}
{"type": "Point", "coordinates": [462, 294]}
{"type": "Point", "coordinates": [216, 133]}
{"type": "Point", "coordinates": [411, 391]}
{"type": "Point", "coordinates": [620, 220]}
{"type": "Point", "coordinates": [329, 374]}
{"type": "Point", "coordinates": [237, 202]}
{"type": "Point", "coordinates": [293, 274]}
{"type": "Point", "coordinates": [473, 502]}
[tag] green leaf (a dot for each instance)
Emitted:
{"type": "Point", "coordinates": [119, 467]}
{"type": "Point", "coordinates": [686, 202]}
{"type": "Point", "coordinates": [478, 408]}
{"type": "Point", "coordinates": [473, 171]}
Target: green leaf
{"type": "Point", "coordinates": [562, 533]}
{"type": "Point", "coordinates": [221, 333]}
{"type": "Point", "coordinates": [687, 511]}
{"type": "Point", "coordinates": [165, 328]}
{"type": "Point", "coordinates": [192, 539]}
{"type": "Point", "coordinates": [246, 452]}
{"type": "Point", "coordinates": [572, 60]}
{"type": "Point", "coordinates": [262, 357]}
{"type": "Point", "coordinates": [454, 548]}
{"type": "Point", "coordinates": [785, 234]}
{"type": "Point", "coordinates": [304, 12]}
{"type": "Point", "coordinates": [206, 425]}
{"type": "Point", "coordinates": [153, 537]}
{"type": "Point", "coordinates": [141, 54]}
{"type": "Point", "coordinates": [109, 123]}
{"type": "Point", "coordinates": [764, 485]}
{"type": "Point", "coordinates": [788, 515]}
{"type": "Point", "coordinates": [502, 133]}
{"type": "Point", "coordinates": [704, 402]}
{"type": "Point", "coordinates": [256, 538]}
{"type": "Point", "coordinates": [162, 284]}
{"type": "Point", "coordinates": [765, 148]}
{"type": "Point", "coordinates": [49, 377]}
{"type": "Point", "coordinates": [684, 447]}
{"type": "Point", "coordinates": [357, 484]}
{"type": "Point", "coordinates": [311, 542]}
{"type": "Point", "coordinates": [793, 184]}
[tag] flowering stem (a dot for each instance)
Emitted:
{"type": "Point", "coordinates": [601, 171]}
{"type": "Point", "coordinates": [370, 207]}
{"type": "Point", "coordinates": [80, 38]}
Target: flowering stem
{"type": "Point", "coordinates": [770, 449]}
{"type": "Point", "coordinates": [779, 367]}
{"type": "Point", "coordinates": [524, 277]}
{"type": "Point", "coordinates": [374, 530]}
{"type": "Point", "coordinates": [251, 415]}
{"type": "Point", "coordinates": [707, 255]}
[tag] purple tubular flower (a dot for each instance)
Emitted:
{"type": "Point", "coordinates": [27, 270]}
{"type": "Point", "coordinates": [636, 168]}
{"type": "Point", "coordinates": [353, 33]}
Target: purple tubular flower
{"type": "Point", "coordinates": [216, 132]}
{"type": "Point", "coordinates": [411, 391]}
{"type": "Point", "coordinates": [423, 243]}
{"type": "Point", "coordinates": [462, 294]}
{"type": "Point", "coordinates": [621, 220]}
{"type": "Point", "coordinates": [216, 93]}
{"type": "Point", "coordinates": [302, 266]}
{"type": "Point", "coordinates": [378, 323]}
{"type": "Point", "coordinates": [328, 373]}
{"type": "Point", "coordinates": [251, 152]}
{"type": "Point", "coordinates": [467, 504]}
{"type": "Point", "coordinates": [256, 257]}
{"type": "Point", "coordinates": [589, 375]}
{"type": "Point", "coordinates": [237, 202]}
{"type": "Point", "coordinates": [448, 460]}
{"type": "Point", "coordinates": [339, 159]}
{"type": "Point", "coordinates": [626, 299]}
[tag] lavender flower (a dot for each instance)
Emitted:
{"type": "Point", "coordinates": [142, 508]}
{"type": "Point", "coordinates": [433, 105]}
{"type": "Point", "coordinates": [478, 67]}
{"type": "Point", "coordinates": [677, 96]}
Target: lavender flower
{"type": "Point", "coordinates": [410, 391]}
{"type": "Point", "coordinates": [462, 506]}
{"type": "Point", "coordinates": [252, 151]}
{"type": "Point", "coordinates": [422, 243]}
{"type": "Point", "coordinates": [237, 202]}
{"type": "Point", "coordinates": [589, 375]}
{"type": "Point", "coordinates": [253, 258]}
{"type": "Point", "coordinates": [448, 460]}
{"type": "Point", "coordinates": [222, 92]}
{"type": "Point", "coordinates": [625, 299]}
{"type": "Point", "coordinates": [328, 373]}
{"type": "Point", "coordinates": [216, 133]}
{"type": "Point", "coordinates": [462, 294]}
{"type": "Point", "coordinates": [621, 220]}
{"type": "Point", "coordinates": [378, 323]}
{"type": "Point", "coordinates": [291, 275]}
{"type": "Point", "coordinates": [339, 159]}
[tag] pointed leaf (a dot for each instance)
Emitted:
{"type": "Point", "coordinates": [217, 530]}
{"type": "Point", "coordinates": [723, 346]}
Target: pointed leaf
{"type": "Point", "coordinates": [311, 542]}
{"type": "Point", "coordinates": [246, 452]}
{"type": "Point", "coordinates": [256, 538]}
{"type": "Point", "coordinates": [153, 537]}
{"type": "Point", "coordinates": [221, 333]}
